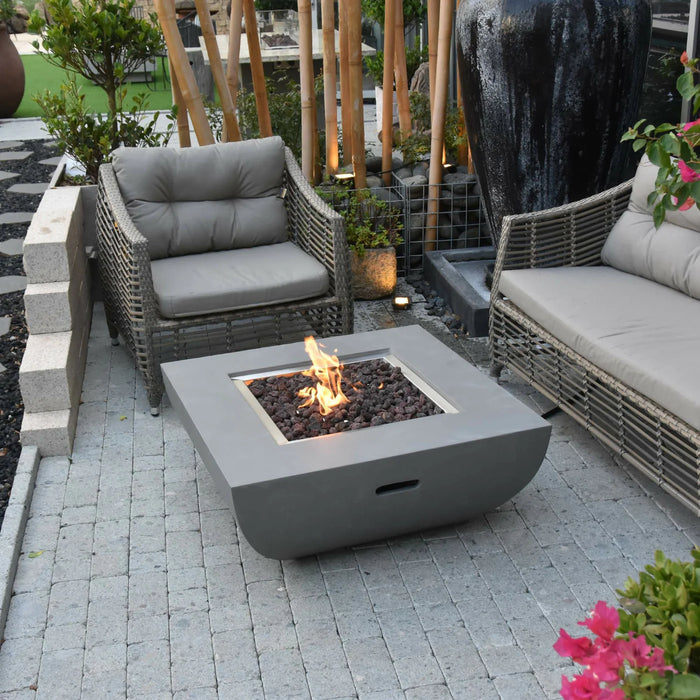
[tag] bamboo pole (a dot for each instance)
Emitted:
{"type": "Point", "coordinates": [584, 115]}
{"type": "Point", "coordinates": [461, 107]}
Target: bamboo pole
{"type": "Point", "coordinates": [183, 123]}
{"type": "Point", "coordinates": [256, 68]}
{"type": "Point", "coordinates": [358, 122]}
{"type": "Point", "coordinates": [433, 27]}
{"type": "Point", "coordinates": [388, 87]}
{"type": "Point", "coordinates": [463, 151]}
{"type": "Point", "coordinates": [401, 74]}
{"type": "Point", "coordinates": [437, 132]}
{"type": "Point", "coordinates": [183, 71]}
{"type": "Point", "coordinates": [231, 131]}
{"type": "Point", "coordinates": [234, 49]}
{"type": "Point", "coordinates": [345, 93]}
{"type": "Point", "coordinates": [329, 100]}
{"type": "Point", "coordinates": [306, 75]}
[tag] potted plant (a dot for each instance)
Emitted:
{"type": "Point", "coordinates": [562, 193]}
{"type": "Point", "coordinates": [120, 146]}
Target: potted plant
{"type": "Point", "coordinates": [372, 227]}
{"type": "Point", "coordinates": [12, 73]}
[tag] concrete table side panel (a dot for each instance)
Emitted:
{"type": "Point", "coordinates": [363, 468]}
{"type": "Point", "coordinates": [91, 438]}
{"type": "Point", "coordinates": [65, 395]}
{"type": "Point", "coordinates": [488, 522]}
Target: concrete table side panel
{"type": "Point", "coordinates": [311, 495]}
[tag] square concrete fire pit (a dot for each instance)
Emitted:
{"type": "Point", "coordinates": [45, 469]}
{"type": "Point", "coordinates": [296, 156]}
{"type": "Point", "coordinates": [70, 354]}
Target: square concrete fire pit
{"type": "Point", "coordinates": [296, 498]}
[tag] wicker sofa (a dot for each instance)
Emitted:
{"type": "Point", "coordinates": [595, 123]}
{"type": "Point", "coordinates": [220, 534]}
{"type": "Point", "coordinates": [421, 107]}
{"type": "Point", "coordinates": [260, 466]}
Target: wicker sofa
{"type": "Point", "coordinates": [600, 311]}
{"type": "Point", "coordinates": [214, 249]}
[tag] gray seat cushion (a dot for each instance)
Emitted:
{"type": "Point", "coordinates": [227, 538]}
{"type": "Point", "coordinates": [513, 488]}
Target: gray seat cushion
{"type": "Point", "coordinates": [196, 200]}
{"type": "Point", "coordinates": [207, 283]}
{"type": "Point", "coordinates": [644, 334]}
{"type": "Point", "coordinates": [670, 254]}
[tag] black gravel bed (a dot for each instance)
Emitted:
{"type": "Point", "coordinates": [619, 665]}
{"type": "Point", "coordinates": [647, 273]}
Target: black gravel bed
{"type": "Point", "coordinates": [11, 407]}
{"type": "Point", "coordinates": [12, 344]}
{"type": "Point", "coordinates": [9, 231]}
{"type": "Point", "coordinates": [378, 393]}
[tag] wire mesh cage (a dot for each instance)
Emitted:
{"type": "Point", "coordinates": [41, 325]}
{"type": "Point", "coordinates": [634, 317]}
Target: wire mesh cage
{"type": "Point", "coordinates": [461, 220]}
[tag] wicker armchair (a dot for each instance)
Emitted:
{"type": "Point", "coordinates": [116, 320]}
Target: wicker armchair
{"type": "Point", "coordinates": [132, 304]}
{"type": "Point", "coordinates": [651, 438]}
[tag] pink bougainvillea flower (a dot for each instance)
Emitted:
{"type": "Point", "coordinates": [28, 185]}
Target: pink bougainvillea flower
{"type": "Point", "coordinates": [606, 664]}
{"type": "Point", "coordinates": [690, 125]}
{"type": "Point", "coordinates": [640, 655]}
{"type": "Point", "coordinates": [615, 694]}
{"type": "Point", "coordinates": [580, 649]}
{"type": "Point", "coordinates": [684, 58]}
{"type": "Point", "coordinates": [687, 204]}
{"type": "Point", "coordinates": [603, 622]}
{"type": "Point", "coordinates": [583, 687]}
{"type": "Point", "coordinates": [687, 173]}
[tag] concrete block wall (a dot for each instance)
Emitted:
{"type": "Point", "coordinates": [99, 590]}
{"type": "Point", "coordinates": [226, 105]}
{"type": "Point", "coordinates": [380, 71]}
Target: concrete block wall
{"type": "Point", "coordinates": [58, 310]}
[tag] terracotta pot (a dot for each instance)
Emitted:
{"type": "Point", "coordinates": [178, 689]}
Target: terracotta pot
{"type": "Point", "coordinates": [374, 273]}
{"type": "Point", "coordinates": [549, 88]}
{"type": "Point", "coordinates": [11, 75]}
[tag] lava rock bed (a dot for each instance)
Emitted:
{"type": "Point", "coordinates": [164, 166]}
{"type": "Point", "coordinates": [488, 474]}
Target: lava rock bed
{"type": "Point", "coordinates": [378, 393]}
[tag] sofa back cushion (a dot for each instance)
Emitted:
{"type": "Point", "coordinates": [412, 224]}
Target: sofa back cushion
{"type": "Point", "coordinates": [198, 200]}
{"type": "Point", "coordinates": [669, 255]}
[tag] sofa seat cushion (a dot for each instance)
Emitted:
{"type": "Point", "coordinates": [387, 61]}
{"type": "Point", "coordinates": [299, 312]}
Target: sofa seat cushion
{"type": "Point", "coordinates": [197, 200]}
{"type": "Point", "coordinates": [208, 283]}
{"type": "Point", "coordinates": [642, 333]}
{"type": "Point", "coordinates": [670, 254]}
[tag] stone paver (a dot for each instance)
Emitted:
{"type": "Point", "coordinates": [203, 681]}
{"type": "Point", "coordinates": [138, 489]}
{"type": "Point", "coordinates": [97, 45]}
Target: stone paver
{"type": "Point", "coordinates": [12, 246]}
{"type": "Point", "coordinates": [16, 217]}
{"type": "Point", "coordinates": [14, 155]}
{"type": "Point", "coordinates": [145, 588]}
{"type": "Point", "coordinates": [12, 283]}
{"type": "Point", "coordinates": [29, 188]}
{"type": "Point", "coordinates": [5, 175]}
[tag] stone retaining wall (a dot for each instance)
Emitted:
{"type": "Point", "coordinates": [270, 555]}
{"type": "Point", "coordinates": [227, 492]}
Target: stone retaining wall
{"type": "Point", "coordinates": [58, 309]}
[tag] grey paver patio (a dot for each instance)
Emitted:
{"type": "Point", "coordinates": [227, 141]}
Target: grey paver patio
{"type": "Point", "coordinates": [140, 585]}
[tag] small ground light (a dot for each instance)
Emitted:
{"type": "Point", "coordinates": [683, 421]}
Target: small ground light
{"type": "Point", "coordinates": [343, 177]}
{"type": "Point", "coordinates": [401, 303]}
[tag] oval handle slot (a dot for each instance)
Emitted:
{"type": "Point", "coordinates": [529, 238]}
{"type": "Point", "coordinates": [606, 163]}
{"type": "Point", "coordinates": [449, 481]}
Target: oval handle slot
{"type": "Point", "coordinates": [397, 486]}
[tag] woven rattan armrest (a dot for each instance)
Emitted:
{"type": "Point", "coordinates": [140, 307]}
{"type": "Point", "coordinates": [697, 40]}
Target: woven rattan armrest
{"type": "Point", "coordinates": [315, 227]}
{"type": "Point", "coordinates": [117, 228]}
{"type": "Point", "coordinates": [569, 235]}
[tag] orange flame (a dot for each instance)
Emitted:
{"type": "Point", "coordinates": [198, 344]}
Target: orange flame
{"type": "Point", "coordinates": [326, 370]}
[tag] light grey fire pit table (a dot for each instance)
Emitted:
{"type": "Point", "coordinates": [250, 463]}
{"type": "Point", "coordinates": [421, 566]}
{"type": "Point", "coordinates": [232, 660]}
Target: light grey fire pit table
{"type": "Point", "coordinates": [296, 498]}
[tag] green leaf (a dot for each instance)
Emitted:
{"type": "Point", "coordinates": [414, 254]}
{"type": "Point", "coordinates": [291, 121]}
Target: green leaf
{"type": "Point", "coordinates": [684, 686]}
{"type": "Point", "coordinates": [686, 85]}
{"type": "Point", "coordinates": [34, 555]}
{"type": "Point", "coordinates": [654, 153]}
{"type": "Point", "coordinates": [659, 214]}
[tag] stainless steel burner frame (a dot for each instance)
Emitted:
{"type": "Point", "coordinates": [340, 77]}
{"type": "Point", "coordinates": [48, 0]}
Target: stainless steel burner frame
{"type": "Point", "coordinates": [241, 384]}
{"type": "Point", "coordinates": [305, 496]}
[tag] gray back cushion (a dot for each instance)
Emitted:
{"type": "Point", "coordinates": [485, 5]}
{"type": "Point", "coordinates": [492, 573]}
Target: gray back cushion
{"type": "Point", "coordinates": [198, 200]}
{"type": "Point", "coordinates": [669, 255]}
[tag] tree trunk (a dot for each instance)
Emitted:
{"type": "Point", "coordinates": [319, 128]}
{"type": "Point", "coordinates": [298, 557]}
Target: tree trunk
{"type": "Point", "coordinates": [308, 103]}
{"type": "Point", "coordinates": [388, 85]}
{"type": "Point", "coordinates": [358, 122]}
{"type": "Point", "coordinates": [329, 100]}
{"type": "Point", "coordinates": [183, 71]}
{"type": "Point", "coordinates": [256, 68]}
{"type": "Point", "coordinates": [437, 130]}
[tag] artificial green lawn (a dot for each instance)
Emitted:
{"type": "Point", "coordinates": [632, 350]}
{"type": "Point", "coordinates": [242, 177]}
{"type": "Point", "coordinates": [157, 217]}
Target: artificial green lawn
{"type": "Point", "coordinates": [40, 75]}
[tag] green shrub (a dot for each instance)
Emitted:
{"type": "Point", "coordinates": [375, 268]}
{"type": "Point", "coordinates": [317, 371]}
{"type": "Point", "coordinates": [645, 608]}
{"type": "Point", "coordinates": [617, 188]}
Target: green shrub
{"type": "Point", "coordinates": [416, 145]}
{"type": "Point", "coordinates": [370, 222]}
{"type": "Point", "coordinates": [664, 606]}
{"type": "Point", "coordinates": [101, 41]}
